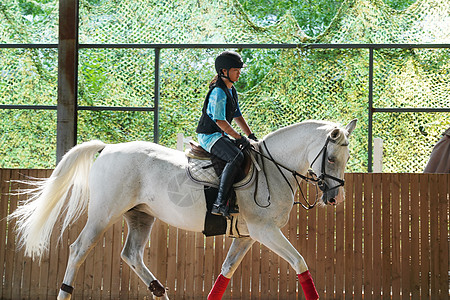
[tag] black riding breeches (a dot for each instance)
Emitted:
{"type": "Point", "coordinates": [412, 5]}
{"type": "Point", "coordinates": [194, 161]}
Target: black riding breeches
{"type": "Point", "coordinates": [226, 150]}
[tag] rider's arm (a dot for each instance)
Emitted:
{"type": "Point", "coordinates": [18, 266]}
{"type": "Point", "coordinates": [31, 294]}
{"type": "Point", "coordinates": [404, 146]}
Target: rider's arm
{"type": "Point", "coordinates": [226, 127]}
{"type": "Point", "coordinates": [243, 125]}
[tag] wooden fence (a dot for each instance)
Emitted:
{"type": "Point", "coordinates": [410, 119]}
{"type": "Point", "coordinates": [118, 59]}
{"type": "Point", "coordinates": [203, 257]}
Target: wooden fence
{"type": "Point", "coordinates": [388, 240]}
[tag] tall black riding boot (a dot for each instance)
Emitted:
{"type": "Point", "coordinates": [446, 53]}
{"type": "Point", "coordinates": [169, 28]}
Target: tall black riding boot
{"type": "Point", "coordinates": [220, 206]}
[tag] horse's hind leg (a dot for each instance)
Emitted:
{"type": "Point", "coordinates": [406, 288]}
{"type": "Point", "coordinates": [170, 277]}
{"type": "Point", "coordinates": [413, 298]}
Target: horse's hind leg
{"type": "Point", "coordinates": [139, 227]}
{"type": "Point", "coordinates": [79, 250]}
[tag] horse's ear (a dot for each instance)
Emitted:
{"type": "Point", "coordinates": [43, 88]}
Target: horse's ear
{"type": "Point", "coordinates": [350, 126]}
{"type": "Point", "coordinates": [335, 134]}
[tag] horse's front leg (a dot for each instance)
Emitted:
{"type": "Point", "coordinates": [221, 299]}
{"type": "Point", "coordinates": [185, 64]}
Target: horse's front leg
{"type": "Point", "coordinates": [237, 251]}
{"type": "Point", "coordinates": [274, 239]}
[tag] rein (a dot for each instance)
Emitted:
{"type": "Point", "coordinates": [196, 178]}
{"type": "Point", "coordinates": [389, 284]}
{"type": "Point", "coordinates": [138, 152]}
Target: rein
{"type": "Point", "coordinates": [311, 177]}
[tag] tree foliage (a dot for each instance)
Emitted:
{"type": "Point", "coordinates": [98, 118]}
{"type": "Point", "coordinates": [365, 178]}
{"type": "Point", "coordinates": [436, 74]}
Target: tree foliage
{"type": "Point", "coordinates": [278, 88]}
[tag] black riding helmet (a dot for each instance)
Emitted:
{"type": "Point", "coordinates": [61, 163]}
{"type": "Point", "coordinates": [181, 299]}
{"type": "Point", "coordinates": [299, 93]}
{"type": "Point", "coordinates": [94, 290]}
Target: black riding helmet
{"type": "Point", "coordinates": [227, 60]}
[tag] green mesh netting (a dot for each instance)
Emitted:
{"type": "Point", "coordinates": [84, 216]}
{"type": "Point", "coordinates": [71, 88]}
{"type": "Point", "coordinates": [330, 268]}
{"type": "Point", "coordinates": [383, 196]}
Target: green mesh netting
{"type": "Point", "coordinates": [279, 87]}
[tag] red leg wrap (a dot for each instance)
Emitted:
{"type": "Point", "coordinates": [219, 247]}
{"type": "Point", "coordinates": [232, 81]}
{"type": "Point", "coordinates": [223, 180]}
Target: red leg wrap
{"type": "Point", "coordinates": [308, 287]}
{"type": "Point", "coordinates": [219, 288]}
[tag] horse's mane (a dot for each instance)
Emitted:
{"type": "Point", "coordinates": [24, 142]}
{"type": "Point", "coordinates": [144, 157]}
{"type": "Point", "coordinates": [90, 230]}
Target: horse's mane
{"type": "Point", "coordinates": [326, 126]}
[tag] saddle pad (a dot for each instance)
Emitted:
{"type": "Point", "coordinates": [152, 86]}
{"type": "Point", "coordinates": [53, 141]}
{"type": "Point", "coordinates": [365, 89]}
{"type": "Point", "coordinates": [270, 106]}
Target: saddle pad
{"type": "Point", "coordinates": [219, 225]}
{"type": "Point", "coordinates": [202, 171]}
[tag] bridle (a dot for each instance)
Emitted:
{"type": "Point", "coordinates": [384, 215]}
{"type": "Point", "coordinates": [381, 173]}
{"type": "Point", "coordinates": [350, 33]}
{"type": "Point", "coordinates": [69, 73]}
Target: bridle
{"type": "Point", "coordinates": [311, 177]}
{"type": "Point", "coordinates": [321, 183]}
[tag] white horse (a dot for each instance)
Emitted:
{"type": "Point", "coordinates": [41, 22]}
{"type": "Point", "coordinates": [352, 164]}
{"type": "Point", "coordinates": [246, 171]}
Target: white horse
{"type": "Point", "coordinates": [143, 181]}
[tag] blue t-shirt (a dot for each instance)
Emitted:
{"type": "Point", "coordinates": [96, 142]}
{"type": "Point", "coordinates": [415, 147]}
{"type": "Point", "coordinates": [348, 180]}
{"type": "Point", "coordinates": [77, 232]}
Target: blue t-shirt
{"type": "Point", "coordinates": [216, 110]}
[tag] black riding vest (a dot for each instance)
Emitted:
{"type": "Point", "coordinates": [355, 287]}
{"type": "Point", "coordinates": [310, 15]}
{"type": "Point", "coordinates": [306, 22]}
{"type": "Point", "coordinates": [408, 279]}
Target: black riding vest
{"type": "Point", "coordinates": [206, 124]}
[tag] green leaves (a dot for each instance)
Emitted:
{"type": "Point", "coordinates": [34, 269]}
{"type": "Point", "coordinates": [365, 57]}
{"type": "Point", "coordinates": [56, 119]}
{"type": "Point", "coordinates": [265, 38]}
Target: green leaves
{"type": "Point", "coordinates": [279, 87]}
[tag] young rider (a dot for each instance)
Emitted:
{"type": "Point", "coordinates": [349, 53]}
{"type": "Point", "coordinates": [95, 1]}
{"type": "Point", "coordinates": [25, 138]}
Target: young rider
{"type": "Point", "coordinates": [215, 132]}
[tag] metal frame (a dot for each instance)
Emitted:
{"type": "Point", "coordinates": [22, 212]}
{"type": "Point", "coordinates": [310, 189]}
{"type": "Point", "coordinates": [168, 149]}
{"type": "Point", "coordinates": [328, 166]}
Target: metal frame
{"type": "Point", "coordinates": [65, 146]}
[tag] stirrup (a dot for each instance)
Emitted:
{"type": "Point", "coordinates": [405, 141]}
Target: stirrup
{"type": "Point", "coordinates": [233, 209]}
{"type": "Point", "coordinates": [221, 210]}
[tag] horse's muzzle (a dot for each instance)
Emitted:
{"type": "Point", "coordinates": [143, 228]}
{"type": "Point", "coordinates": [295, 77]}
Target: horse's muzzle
{"type": "Point", "coordinates": [328, 194]}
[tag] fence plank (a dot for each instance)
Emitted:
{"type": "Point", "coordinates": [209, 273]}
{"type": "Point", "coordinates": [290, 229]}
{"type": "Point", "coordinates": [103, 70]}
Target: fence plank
{"type": "Point", "coordinates": [227, 244]}
{"type": "Point", "coordinates": [273, 258]}
{"type": "Point", "coordinates": [415, 246]}
{"type": "Point", "coordinates": [88, 270]}
{"type": "Point", "coordinates": [330, 268]}
{"type": "Point", "coordinates": [39, 274]}
{"type": "Point", "coordinates": [172, 260]}
{"type": "Point", "coordinates": [396, 238]}
{"type": "Point", "coordinates": [425, 234]}
{"type": "Point", "coordinates": [237, 283]}
{"type": "Point", "coordinates": [368, 237]}
{"type": "Point", "coordinates": [209, 264]}
{"type": "Point", "coordinates": [97, 274]}
{"type": "Point", "coordinates": [444, 191]}
{"type": "Point", "coordinates": [10, 245]}
{"type": "Point", "coordinates": [116, 259]}
{"type": "Point", "coordinates": [73, 232]}
{"type": "Point", "coordinates": [63, 255]}
{"type": "Point", "coordinates": [5, 175]}
{"type": "Point", "coordinates": [432, 253]}
{"type": "Point", "coordinates": [199, 266]}
{"type": "Point", "coordinates": [405, 235]}
{"type": "Point", "coordinates": [246, 275]}
{"type": "Point", "coordinates": [181, 266]}
{"type": "Point", "coordinates": [386, 236]}
{"type": "Point", "coordinates": [52, 288]}
{"type": "Point", "coordinates": [302, 233]}
{"type": "Point", "coordinates": [349, 237]}
{"type": "Point", "coordinates": [284, 269]}
{"type": "Point", "coordinates": [358, 237]}
{"type": "Point", "coordinates": [320, 274]}
{"type": "Point", "coordinates": [107, 264]}
{"type": "Point", "coordinates": [125, 276]}
{"type": "Point", "coordinates": [256, 259]}
{"type": "Point", "coordinates": [82, 270]}
{"type": "Point", "coordinates": [312, 231]}
{"type": "Point", "coordinates": [265, 269]}
{"type": "Point", "coordinates": [339, 254]}
{"type": "Point", "coordinates": [377, 235]}
{"type": "Point", "coordinates": [30, 274]}
{"type": "Point", "coordinates": [292, 283]}
{"type": "Point", "coordinates": [18, 259]}
{"type": "Point", "coordinates": [190, 262]}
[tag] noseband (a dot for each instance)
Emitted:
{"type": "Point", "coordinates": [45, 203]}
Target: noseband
{"type": "Point", "coordinates": [320, 182]}
{"type": "Point", "coordinates": [311, 177]}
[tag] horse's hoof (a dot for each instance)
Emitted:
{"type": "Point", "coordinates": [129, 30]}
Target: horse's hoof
{"type": "Point", "coordinates": [156, 288]}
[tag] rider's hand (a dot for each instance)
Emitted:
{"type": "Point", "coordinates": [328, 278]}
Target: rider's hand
{"type": "Point", "coordinates": [252, 137]}
{"type": "Point", "coordinates": [242, 142]}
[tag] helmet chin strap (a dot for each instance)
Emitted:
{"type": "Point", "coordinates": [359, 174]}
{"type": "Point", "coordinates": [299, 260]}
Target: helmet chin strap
{"type": "Point", "coordinates": [227, 77]}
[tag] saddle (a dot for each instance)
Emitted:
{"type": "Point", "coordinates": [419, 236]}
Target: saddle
{"type": "Point", "coordinates": [205, 168]}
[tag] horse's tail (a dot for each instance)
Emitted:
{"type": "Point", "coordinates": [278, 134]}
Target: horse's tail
{"type": "Point", "coordinates": [65, 193]}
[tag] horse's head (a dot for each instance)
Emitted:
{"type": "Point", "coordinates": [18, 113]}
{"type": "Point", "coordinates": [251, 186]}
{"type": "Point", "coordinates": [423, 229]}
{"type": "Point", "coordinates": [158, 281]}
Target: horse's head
{"type": "Point", "coordinates": [330, 162]}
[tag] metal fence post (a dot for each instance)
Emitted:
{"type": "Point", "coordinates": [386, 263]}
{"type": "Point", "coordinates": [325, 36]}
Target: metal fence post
{"type": "Point", "coordinates": [370, 121]}
{"type": "Point", "coordinates": [156, 97]}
